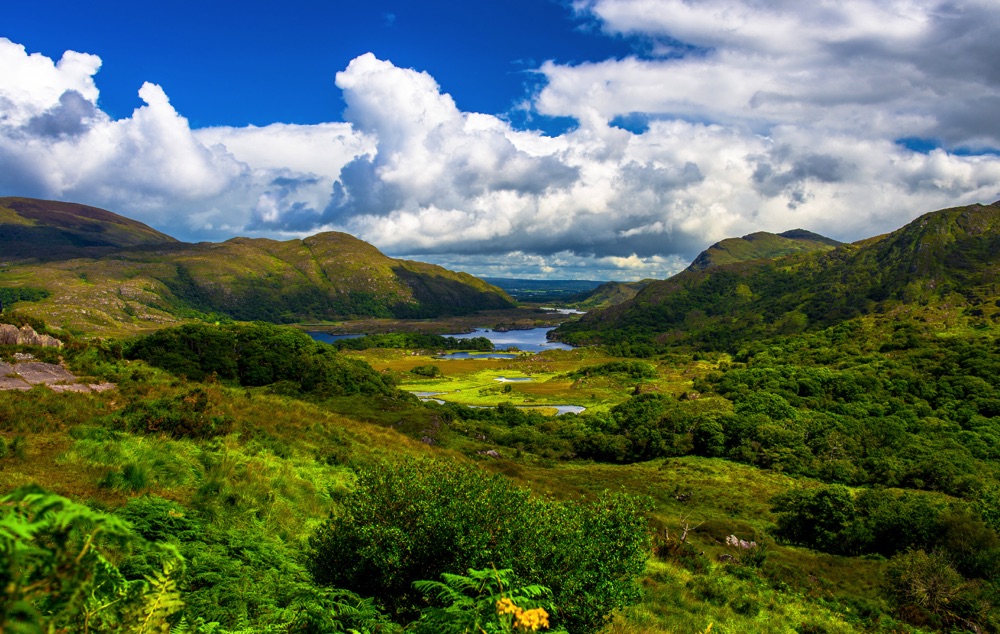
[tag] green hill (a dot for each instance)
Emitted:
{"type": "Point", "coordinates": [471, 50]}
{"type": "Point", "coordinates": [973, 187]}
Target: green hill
{"type": "Point", "coordinates": [138, 279]}
{"type": "Point", "coordinates": [761, 245]}
{"type": "Point", "coordinates": [608, 294]}
{"type": "Point", "coordinates": [49, 230]}
{"type": "Point", "coordinates": [943, 265]}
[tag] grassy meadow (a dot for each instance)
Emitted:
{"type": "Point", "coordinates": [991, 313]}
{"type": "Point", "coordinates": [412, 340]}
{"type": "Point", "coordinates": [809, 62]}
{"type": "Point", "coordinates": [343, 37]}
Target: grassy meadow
{"type": "Point", "coordinates": [479, 382]}
{"type": "Point", "coordinates": [259, 469]}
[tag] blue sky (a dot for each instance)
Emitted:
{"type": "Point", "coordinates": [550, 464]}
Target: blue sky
{"type": "Point", "coordinates": [225, 63]}
{"type": "Point", "coordinates": [602, 139]}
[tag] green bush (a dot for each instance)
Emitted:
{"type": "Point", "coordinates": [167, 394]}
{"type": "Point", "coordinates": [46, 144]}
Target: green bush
{"type": "Point", "coordinates": [236, 576]}
{"type": "Point", "coordinates": [630, 369]}
{"type": "Point", "coordinates": [819, 519]}
{"type": "Point", "coordinates": [923, 588]}
{"type": "Point", "coordinates": [414, 341]}
{"type": "Point", "coordinates": [426, 370]}
{"type": "Point", "coordinates": [420, 519]}
{"type": "Point", "coordinates": [186, 415]}
{"type": "Point", "coordinates": [255, 355]}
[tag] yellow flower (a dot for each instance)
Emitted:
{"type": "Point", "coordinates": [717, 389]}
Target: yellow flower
{"type": "Point", "coordinates": [506, 606]}
{"type": "Point", "coordinates": [533, 619]}
{"type": "Point", "coordinates": [524, 619]}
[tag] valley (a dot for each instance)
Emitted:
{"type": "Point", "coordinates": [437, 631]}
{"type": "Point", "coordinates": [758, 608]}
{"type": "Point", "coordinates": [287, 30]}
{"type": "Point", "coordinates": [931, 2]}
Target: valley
{"type": "Point", "coordinates": [792, 436]}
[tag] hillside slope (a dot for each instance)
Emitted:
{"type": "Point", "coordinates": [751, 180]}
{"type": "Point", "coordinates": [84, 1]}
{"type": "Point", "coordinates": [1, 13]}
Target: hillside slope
{"type": "Point", "coordinates": [761, 245]}
{"type": "Point", "coordinates": [153, 280]}
{"type": "Point", "coordinates": [608, 294]}
{"type": "Point", "coordinates": [944, 265]}
{"type": "Point", "coordinates": [49, 230]}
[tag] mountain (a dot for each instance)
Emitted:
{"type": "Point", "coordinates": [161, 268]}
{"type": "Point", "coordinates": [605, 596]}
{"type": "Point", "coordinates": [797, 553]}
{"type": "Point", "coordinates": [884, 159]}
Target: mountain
{"type": "Point", "coordinates": [945, 265]}
{"type": "Point", "coordinates": [135, 278]}
{"type": "Point", "coordinates": [49, 230]}
{"type": "Point", "coordinates": [761, 245]}
{"type": "Point", "coordinates": [608, 294]}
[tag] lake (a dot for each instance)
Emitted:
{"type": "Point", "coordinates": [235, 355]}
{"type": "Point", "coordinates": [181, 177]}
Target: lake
{"type": "Point", "coordinates": [326, 337]}
{"type": "Point", "coordinates": [531, 340]}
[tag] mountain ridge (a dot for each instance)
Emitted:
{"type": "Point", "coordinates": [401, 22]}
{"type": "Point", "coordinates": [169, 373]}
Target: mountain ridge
{"type": "Point", "coordinates": [761, 245]}
{"type": "Point", "coordinates": [945, 264]}
{"type": "Point", "coordinates": [153, 280]}
{"type": "Point", "coordinates": [51, 230]}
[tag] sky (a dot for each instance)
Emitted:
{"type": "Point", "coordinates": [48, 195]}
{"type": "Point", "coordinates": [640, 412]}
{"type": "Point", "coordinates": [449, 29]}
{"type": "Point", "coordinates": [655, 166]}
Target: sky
{"type": "Point", "coordinates": [589, 139]}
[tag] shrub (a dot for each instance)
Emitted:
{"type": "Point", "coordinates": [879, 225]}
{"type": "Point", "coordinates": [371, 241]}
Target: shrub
{"type": "Point", "coordinates": [922, 587]}
{"type": "Point", "coordinates": [420, 519]}
{"type": "Point", "coordinates": [819, 519]}
{"type": "Point", "coordinates": [185, 415]}
{"type": "Point", "coordinates": [426, 370]}
{"type": "Point", "coordinates": [255, 355]}
{"type": "Point", "coordinates": [631, 369]}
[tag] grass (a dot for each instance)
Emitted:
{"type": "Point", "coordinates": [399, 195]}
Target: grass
{"type": "Point", "coordinates": [796, 590]}
{"type": "Point", "coordinates": [287, 463]}
{"type": "Point", "coordinates": [474, 381]}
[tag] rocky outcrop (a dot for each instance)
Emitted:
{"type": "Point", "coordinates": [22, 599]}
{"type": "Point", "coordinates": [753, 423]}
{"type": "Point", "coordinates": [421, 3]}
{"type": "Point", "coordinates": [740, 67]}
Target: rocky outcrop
{"type": "Point", "coordinates": [27, 372]}
{"type": "Point", "coordinates": [26, 336]}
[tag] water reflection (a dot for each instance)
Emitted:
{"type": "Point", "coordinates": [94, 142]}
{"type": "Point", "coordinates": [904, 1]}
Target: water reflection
{"type": "Point", "coordinates": [326, 337]}
{"type": "Point", "coordinates": [530, 340]}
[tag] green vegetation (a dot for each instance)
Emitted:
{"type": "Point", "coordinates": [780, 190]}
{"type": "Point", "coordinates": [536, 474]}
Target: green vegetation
{"type": "Point", "coordinates": [57, 574]}
{"type": "Point", "coordinates": [485, 601]}
{"type": "Point", "coordinates": [761, 246]}
{"type": "Point", "coordinates": [8, 296]}
{"type": "Point", "coordinates": [404, 523]}
{"type": "Point", "coordinates": [255, 355]}
{"type": "Point", "coordinates": [802, 444]}
{"type": "Point", "coordinates": [110, 275]}
{"type": "Point", "coordinates": [630, 369]}
{"type": "Point", "coordinates": [607, 294]}
{"type": "Point", "coordinates": [414, 341]}
{"type": "Point", "coordinates": [939, 267]}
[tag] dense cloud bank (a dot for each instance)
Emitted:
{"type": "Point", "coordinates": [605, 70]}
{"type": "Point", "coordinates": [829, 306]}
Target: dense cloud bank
{"type": "Point", "coordinates": [739, 116]}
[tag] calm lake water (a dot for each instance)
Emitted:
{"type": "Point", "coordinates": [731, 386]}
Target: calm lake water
{"type": "Point", "coordinates": [326, 337]}
{"type": "Point", "coordinates": [531, 340]}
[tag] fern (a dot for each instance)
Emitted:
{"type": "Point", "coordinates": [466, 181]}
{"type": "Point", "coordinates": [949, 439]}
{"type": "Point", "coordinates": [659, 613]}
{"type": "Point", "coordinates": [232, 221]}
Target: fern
{"type": "Point", "coordinates": [56, 576]}
{"type": "Point", "coordinates": [484, 602]}
{"type": "Point", "coordinates": [159, 602]}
